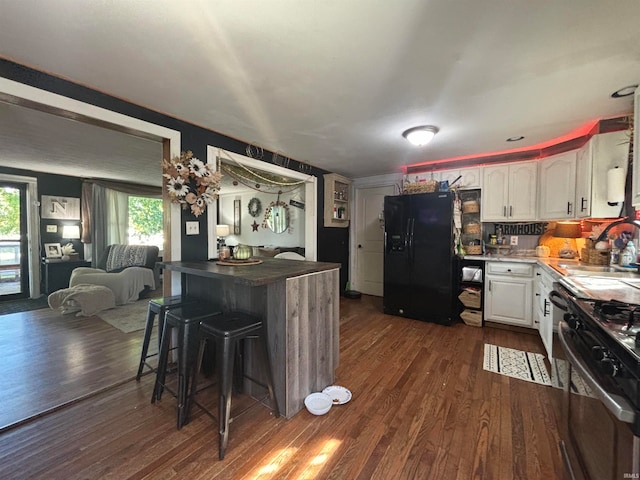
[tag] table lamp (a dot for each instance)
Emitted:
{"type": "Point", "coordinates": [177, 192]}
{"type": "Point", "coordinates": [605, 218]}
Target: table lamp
{"type": "Point", "coordinates": [222, 231]}
{"type": "Point", "coordinates": [569, 231]}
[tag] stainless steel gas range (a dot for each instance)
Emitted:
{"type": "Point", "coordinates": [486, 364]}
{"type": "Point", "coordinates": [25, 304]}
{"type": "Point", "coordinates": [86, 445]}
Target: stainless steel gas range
{"type": "Point", "coordinates": [601, 405]}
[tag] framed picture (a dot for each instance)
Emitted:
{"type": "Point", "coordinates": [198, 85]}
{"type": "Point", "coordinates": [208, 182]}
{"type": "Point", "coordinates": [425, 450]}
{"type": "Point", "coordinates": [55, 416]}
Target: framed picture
{"type": "Point", "coordinates": [52, 250]}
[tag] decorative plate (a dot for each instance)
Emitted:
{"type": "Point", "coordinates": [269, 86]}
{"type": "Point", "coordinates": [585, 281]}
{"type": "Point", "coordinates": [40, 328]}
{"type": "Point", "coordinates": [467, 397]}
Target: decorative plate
{"type": "Point", "coordinates": [339, 395]}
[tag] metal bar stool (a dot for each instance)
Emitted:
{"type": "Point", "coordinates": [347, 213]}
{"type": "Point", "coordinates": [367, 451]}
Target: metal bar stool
{"type": "Point", "coordinates": [157, 306]}
{"type": "Point", "coordinates": [187, 321]}
{"type": "Point", "coordinates": [227, 331]}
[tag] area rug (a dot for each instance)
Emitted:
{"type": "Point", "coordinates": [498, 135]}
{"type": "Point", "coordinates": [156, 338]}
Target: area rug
{"type": "Point", "coordinates": [127, 318]}
{"type": "Point", "coordinates": [516, 364]}
{"type": "Point", "coordinates": [23, 305]}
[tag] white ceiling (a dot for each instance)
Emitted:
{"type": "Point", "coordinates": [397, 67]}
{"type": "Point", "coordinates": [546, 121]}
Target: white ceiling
{"type": "Point", "coordinates": [332, 83]}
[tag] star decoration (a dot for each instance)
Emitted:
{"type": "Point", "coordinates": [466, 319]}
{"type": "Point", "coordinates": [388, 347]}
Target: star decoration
{"type": "Point", "coordinates": [255, 226]}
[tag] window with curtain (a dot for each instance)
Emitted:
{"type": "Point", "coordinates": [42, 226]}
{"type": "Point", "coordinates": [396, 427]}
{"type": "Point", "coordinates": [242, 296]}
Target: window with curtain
{"type": "Point", "coordinates": [114, 212]}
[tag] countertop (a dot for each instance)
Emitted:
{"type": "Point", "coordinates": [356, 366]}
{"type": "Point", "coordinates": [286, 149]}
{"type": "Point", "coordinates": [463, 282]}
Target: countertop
{"type": "Point", "coordinates": [269, 271]}
{"type": "Point", "coordinates": [618, 284]}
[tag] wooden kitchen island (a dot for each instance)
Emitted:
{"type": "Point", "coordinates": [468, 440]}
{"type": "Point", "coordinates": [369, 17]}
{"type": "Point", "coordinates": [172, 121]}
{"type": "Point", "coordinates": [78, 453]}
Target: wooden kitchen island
{"type": "Point", "coordinates": [298, 300]}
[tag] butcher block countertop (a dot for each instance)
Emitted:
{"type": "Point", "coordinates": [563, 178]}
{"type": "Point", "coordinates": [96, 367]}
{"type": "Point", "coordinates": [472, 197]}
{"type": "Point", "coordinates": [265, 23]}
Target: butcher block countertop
{"type": "Point", "coordinates": [271, 270]}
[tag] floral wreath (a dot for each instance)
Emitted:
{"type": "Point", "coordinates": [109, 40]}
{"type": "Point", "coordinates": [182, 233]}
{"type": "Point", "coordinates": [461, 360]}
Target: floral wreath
{"type": "Point", "coordinates": [192, 182]}
{"type": "Point", "coordinates": [254, 206]}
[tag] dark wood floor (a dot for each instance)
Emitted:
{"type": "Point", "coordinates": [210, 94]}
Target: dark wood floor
{"type": "Point", "coordinates": [422, 408]}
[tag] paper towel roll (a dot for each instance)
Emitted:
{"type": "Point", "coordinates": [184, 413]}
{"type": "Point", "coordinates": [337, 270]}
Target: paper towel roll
{"type": "Point", "coordinates": [615, 185]}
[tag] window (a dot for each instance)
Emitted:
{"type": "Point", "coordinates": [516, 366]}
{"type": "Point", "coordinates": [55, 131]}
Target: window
{"type": "Point", "coordinates": [145, 221]}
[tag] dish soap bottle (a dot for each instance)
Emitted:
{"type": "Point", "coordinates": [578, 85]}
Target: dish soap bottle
{"type": "Point", "coordinates": [628, 255]}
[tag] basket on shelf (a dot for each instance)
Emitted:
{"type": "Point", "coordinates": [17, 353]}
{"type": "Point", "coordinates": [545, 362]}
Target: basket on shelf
{"type": "Point", "coordinates": [428, 186]}
{"type": "Point", "coordinates": [595, 257]}
{"type": "Point", "coordinates": [473, 249]}
{"type": "Point", "coordinates": [472, 228]}
{"type": "Point", "coordinates": [472, 317]}
{"type": "Point", "coordinates": [471, 298]}
{"type": "Point", "coordinates": [470, 206]}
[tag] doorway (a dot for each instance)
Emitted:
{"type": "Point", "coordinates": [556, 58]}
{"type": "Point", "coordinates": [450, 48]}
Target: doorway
{"type": "Point", "coordinates": [14, 258]}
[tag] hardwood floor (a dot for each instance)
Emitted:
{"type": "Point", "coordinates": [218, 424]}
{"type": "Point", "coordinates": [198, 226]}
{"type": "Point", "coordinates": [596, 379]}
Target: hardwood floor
{"type": "Point", "coordinates": [422, 408]}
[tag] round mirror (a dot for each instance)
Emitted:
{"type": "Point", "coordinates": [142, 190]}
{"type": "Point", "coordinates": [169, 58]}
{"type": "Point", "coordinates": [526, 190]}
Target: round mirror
{"type": "Point", "coordinates": [278, 219]}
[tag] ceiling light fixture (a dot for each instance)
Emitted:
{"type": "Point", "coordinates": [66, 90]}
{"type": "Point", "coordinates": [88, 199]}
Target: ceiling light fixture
{"type": "Point", "coordinates": [624, 91]}
{"type": "Point", "coordinates": [420, 136]}
{"type": "Point", "coordinates": [515, 139]}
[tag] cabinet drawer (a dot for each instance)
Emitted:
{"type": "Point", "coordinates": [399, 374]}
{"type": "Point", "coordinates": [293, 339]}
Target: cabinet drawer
{"type": "Point", "coordinates": [506, 268]}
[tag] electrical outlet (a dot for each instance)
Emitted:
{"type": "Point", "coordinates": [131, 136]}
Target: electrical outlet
{"type": "Point", "coordinates": [514, 240]}
{"type": "Point", "coordinates": [193, 228]}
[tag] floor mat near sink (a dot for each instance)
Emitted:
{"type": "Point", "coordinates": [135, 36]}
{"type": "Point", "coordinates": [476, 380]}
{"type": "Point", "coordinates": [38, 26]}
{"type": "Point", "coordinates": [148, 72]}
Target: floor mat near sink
{"type": "Point", "coordinates": [516, 364]}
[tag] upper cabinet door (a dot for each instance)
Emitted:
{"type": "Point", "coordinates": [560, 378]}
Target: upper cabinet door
{"type": "Point", "coordinates": [558, 186]}
{"type": "Point", "coordinates": [583, 181]}
{"type": "Point", "coordinates": [495, 193]}
{"type": "Point", "coordinates": [523, 191]}
{"type": "Point", "coordinates": [470, 178]}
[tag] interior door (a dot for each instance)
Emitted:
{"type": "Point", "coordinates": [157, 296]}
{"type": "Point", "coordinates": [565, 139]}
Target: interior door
{"type": "Point", "coordinates": [370, 239]}
{"type": "Point", "coordinates": [14, 258]}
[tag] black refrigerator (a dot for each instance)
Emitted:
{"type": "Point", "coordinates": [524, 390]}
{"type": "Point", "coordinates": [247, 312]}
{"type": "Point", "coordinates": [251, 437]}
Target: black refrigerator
{"type": "Point", "coordinates": [419, 280]}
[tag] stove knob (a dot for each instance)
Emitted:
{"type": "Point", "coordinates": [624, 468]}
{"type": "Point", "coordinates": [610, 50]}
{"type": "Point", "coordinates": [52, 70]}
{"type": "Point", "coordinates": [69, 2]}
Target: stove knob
{"type": "Point", "coordinates": [599, 353]}
{"type": "Point", "coordinates": [572, 321]}
{"type": "Point", "coordinates": [610, 366]}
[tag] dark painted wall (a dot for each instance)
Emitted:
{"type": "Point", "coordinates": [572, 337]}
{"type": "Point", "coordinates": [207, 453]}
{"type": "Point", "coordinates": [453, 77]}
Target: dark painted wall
{"type": "Point", "coordinates": [332, 242]}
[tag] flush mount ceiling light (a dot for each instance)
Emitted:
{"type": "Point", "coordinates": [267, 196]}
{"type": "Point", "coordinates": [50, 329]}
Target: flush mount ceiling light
{"type": "Point", "coordinates": [420, 135]}
{"type": "Point", "coordinates": [624, 91]}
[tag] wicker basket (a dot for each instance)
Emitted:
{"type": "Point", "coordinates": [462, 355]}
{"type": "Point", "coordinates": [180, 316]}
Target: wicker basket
{"type": "Point", "coordinates": [472, 317]}
{"type": "Point", "coordinates": [473, 249]}
{"type": "Point", "coordinates": [427, 186]}
{"type": "Point", "coordinates": [595, 257]}
{"type": "Point", "coordinates": [470, 206]}
{"type": "Point", "coordinates": [472, 228]}
{"type": "Point", "coordinates": [470, 299]}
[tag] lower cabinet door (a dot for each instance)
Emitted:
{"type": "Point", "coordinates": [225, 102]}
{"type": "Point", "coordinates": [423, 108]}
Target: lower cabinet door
{"type": "Point", "coordinates": [508, 300]}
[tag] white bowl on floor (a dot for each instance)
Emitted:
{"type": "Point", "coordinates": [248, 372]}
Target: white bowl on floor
{"type": "Point", "coordinates": [318, 403]}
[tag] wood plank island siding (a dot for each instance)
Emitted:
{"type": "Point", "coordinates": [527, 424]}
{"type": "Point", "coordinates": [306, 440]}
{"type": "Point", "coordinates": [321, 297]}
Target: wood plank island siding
{"type": "Point", "coordinates": [312, 331]}
{"type": "Point", "coordinates": [299, 301]}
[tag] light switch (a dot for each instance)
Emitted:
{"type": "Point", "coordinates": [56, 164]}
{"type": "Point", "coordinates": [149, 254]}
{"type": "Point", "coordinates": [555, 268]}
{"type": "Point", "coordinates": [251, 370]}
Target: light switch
{"type": "Point", "coordinates": [52, 229]}
{"type": "Point", "coordinates": [193, 228]}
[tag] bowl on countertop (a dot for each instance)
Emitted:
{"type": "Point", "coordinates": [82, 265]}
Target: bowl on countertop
{"type": "Point", "coordinates": [318, 403]}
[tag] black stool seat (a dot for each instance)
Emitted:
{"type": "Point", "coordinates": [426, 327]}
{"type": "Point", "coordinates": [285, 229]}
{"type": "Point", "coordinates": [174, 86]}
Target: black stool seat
{"type": "Point", "coordinates": [186, 320]}
{"type": "Point", "coordinates": [157, 306]}
{"type": "Point", "coordinates": [227, 330]}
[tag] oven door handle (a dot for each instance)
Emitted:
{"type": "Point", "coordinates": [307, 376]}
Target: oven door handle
{"type": "Point", "coordinates": [617, 405]}
{"type": "Point", "coordinates": [558, 300]}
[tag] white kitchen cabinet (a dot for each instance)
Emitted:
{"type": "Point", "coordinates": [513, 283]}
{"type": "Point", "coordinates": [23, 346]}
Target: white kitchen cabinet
{"type": "Point", "coordinates": [469, 177]}
{"type": "Point", "coordinates": [599, 155]}
{"type": "Point", "coordinates": [509, 192]}
{"type": "Point", "coordinates": [635, 189]}
{"type": "Point", "coordinates": [545, 314]}
{"type": "Point", "coordinates": [557, 192]}
{"type": "Point", "coordinates": [508, 293]}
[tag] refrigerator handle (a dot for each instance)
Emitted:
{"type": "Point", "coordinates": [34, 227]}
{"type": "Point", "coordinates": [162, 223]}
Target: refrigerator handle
{"type": "Point", "coordinates": [411, 250]}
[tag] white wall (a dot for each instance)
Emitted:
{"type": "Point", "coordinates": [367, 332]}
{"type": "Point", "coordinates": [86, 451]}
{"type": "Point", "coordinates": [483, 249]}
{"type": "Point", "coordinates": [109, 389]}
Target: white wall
{"type": "Point", "coordinates": [294, 236]}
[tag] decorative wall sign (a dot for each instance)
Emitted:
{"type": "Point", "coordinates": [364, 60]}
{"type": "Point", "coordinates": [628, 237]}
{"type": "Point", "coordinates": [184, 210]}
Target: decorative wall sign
{"type": "Point", "coordinates": [236, 217]}
{"type": "Point", "coordinates": [66, 208]}
{"type": "Point", "coordinates": [296, 203]}
{"type": "Point", "coordinates": [521, 228]}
